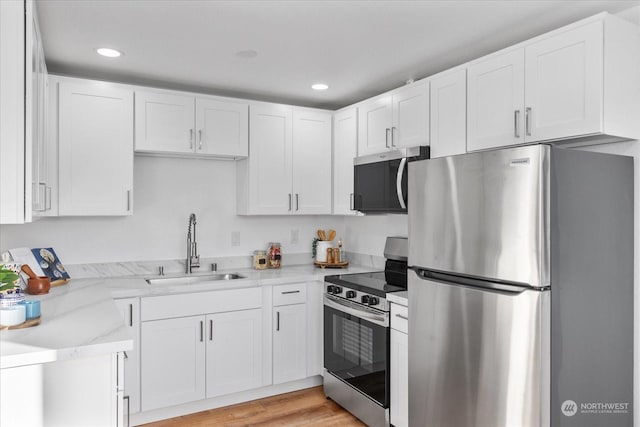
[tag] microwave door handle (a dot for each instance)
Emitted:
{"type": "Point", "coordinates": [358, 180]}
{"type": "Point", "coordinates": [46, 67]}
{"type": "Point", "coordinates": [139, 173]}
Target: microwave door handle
{"type": "Point", "coordinates": [403, 163]}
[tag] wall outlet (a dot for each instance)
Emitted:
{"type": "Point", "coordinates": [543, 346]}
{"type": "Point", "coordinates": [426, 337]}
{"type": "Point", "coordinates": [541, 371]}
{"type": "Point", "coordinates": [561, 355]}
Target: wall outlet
{"type": "Point", "coordinates": [235, 238]}
{"type": "Point", "coordinates": [294, 236]}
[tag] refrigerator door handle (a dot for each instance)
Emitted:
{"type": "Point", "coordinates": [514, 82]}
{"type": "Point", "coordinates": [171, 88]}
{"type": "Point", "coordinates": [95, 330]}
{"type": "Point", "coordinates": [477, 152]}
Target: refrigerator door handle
{"type": "Point", "coordinates": [484, 285]}
{"type": "Point", "coordinates": [399, 176]}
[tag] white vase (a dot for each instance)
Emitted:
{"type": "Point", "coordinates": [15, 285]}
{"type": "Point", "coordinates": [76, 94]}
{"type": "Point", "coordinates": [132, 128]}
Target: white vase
{"type": "Point", "coordinates": [321, 250]}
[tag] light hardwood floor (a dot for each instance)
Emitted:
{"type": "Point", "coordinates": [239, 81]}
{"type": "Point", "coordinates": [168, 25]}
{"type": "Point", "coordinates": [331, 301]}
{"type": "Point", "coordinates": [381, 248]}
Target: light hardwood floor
{"type": "Point", "coordinates": [307, 407]}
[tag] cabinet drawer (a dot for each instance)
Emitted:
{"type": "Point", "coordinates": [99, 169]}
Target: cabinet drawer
{"type": "Point", "coordinates": [399, 318]}
{"type": "Point", "coordinates": [295, 293]}
{"type": "Point", "coordinates": [197, 303]}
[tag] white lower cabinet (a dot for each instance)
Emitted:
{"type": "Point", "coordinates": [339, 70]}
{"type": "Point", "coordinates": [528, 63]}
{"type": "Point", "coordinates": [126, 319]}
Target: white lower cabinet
{"type": "Point", "coordinates": [233, 352]}
{"type": "Point", "coordinates": [289, 333]}
{"type": "Point", "coordinates": [399, 356]}
{"type": "Point", "coordinates": [200, 345]}
{"type": "Point", "coordinates": [130, 310]}
{"type": "Point", "coordinates": [173, 361]}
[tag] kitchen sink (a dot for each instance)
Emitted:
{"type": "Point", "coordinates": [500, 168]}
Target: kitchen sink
{"type": "Point", "coordinates": [187, 279]}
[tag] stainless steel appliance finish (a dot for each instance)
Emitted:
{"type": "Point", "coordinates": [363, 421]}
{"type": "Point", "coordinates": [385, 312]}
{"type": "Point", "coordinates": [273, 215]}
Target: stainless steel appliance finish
{"type": "Point", "coordinates": [355, 402]}
{"type": "Point", "coordinates": [521, 289]}
{"type": "Point", "coordinates": [490, 351]}
{"type": "Point", "coordinates": [487, 214]}
{"type": "Point", "coordinates": [357, 334]}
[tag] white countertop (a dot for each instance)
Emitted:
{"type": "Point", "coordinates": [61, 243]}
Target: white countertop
{"type": "Point", "coordinates": [401, 298]}
{"type": "Point", "coordinates": [80, 319]}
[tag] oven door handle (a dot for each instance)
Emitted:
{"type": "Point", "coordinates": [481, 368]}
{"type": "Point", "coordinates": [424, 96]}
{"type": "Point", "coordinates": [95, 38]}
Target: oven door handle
{"type": "Point", "coordinates": [377, 317]}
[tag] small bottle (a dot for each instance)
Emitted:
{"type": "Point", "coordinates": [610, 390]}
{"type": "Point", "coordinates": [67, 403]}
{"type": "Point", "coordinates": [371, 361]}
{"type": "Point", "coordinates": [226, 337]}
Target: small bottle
{"type": "Point", "coordinates": [343, 255]}
{"type": "Point", "coordinates": [275, 256]}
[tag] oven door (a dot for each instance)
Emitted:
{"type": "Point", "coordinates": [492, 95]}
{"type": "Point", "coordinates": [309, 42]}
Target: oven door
{"type": "Point", "coordinates": [356, 347]}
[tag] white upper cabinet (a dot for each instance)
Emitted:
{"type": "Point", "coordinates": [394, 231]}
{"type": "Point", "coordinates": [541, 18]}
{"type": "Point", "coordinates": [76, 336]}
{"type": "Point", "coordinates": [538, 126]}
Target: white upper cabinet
{"type": "Point", "coordinates": [289, 169]}
{"type": "Point", "coordinates": [95, 148]}
{"type": "Point", "coordinates": [179, 124]}
{"type": "Point", "coordinates": [345, 148]}
{"type": "Point", "coordinates": [311, 162]}
{"type": "Point", "coordinates": [578, 83]}
{"type": "Point", "coordinates": [495, 106]}
{"type": "Point", "coordinates": [410, 127]}
{"type": "Point", "coordinates": [448, 123]}
{"type": "Point", "coordinates": [164, 122]}
{"type": "Point", "coordinates": [397, 119]}
{"type": "Point", "coordinates": [222, 127]}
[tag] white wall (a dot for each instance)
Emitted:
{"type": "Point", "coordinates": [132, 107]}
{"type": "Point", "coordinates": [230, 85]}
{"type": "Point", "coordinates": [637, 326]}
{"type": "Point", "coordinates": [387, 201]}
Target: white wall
{"type": "Point", "coordinates": [167, 190]}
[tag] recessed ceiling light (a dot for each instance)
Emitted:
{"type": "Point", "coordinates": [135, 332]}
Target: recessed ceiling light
{"type": "Point", "coordinates": [319, 86]}
{"type": "Point", "coordinates": [109, 53]}
{"type": "Point", "coordinates": [249, 53]}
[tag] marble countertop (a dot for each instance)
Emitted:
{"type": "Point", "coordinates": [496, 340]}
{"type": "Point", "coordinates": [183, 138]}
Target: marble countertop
{"type": "Point", "coordinates": [80, 319]}
{"type": "Point", "coordinates": [77, 320]}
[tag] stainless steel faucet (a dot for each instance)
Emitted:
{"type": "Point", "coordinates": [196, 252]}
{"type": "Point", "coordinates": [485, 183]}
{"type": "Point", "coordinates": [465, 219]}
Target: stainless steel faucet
{"type": "Point", "coordinates": [193, 259]}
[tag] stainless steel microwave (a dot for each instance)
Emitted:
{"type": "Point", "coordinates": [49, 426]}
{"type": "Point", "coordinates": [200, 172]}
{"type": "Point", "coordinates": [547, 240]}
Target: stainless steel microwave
{"type": "Point", "coordinates": [380, 180]}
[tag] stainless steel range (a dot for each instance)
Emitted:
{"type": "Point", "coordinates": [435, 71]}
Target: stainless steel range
{"type": "Point", "coordinates": [356, 335]}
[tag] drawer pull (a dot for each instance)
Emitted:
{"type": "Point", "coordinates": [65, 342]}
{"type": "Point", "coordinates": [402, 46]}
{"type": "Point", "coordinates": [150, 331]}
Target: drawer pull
{"type": "Point", "coordinates": [401, 316]}
{"type": "Point", "coordinates": [290, 292]}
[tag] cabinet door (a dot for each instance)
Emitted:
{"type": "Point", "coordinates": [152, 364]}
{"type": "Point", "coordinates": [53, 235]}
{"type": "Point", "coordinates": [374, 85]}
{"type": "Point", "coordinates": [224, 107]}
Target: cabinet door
{"type": "Point", "coordinates": [172, 361]}
{"type": "Point", "coordinates": [345, 148]}
{"type": "Point", "coordinates": [222, 128]}
{"type": "Point", "coordinates": [130, 309]}
{"type": "Point", "coordinates": [234, 352]}
{"type": "Point", "coordinates": [311, 162]}
{"type": "Point", "coordinates": [496, 101]}
{"type": "Point", "coordinates": [289, 343]}
{"type": "Point", "coordinates": [410, 116]}
{"type": "Point", "coordinates": [95, 149]}
{"type": "Point", "coordinates": [448, 124]}
{"type": "Point", "coordinates": [270, 139]}
{"type": "Point", "coordinates": [399, 376]}
{"type": "Point", "coordinates": [374, 125]}
{"type": "Point", "coordinates": [165, 122]}
{"type": "Point", "coordinates": [564, 90]}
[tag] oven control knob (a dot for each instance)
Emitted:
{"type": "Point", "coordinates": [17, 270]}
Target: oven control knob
{"type": "Point", "coordinates": [337, 290]}
{"type": "Point", "coordinates": [365, 299]}
{"type": "Point", "coordinates": [351, 294]}
{"type": "Point", "coordinates": [373, 301]}
{"type": "Point", "coordinates": [330, 289]}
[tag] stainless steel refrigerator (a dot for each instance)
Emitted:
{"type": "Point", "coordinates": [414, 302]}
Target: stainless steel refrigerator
{"type": "Point", "coordinates": [521, 289]}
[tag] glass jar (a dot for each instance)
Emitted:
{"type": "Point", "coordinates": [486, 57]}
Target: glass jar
{"type": "Point", "coordinates": [260, 260]}
{"type": "Point", "coordinates": [274, 255]}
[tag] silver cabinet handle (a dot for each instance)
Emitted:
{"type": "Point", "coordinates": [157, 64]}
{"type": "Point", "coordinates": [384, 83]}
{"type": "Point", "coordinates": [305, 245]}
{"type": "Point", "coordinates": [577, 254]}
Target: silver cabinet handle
{"type": "Point", "coordinates": [394, 141]}
{"type": "Point", "coordinates": [191, 138]}
{"type": "Point", "coordinates": [128, 410]}
{"type": "Point", "coordinates": [277, 320]}
{"type": "Point", "coordinates": [516, 123]}
{"type": "Point", "coordinates": [128, 200]}
{"type": "Point", "coordinates": [297, 202]}
{"type": "Point", "coordinates": [527, 120]}
{"type": "Point", "coordinates": [47, 198]}
{"type": "Point", "coordinates": [201, 331]}
{"type": "Point", "coordinates": [402, 317]}
{"type": "Point", "coordinates": [130, 315]}
{"type": "Point", "coordinates": [211, 330]}
{"type": "Point", "coordinates": [386, 137]}
{"type": "Point", "coordinates": [290, 292]}
{"type": "Point", "coordinates": [289, 202]}
{"type": "Point", "coordinates": [200, 139]}
{"type": "Point", "coordinates": [351, 202]}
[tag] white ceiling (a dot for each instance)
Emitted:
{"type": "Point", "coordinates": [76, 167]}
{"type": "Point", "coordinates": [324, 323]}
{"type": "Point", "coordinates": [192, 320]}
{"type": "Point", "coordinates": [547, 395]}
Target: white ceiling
{"type": "Point", "coordinates": [359, 48]}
